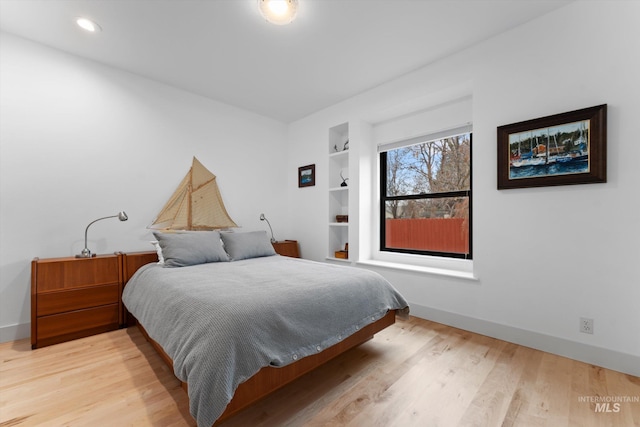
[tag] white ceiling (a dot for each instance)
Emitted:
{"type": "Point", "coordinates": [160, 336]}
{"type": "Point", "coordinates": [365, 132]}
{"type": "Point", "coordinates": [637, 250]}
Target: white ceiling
{"type": "Point", "coordinates": [224, 50]}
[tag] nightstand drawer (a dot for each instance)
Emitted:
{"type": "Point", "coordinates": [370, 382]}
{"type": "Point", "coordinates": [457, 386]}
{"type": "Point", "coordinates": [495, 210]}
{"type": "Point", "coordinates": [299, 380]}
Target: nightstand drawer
{"type": "Point", "coordinates": [62, 301]}
{"type": "Point", "coordinates": [76, 324]}
{"type": "Point", "coordinates": [58, 274]}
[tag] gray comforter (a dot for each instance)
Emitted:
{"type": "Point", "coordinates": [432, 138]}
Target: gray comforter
{"type": "Point", "coordinates": [222, 322]}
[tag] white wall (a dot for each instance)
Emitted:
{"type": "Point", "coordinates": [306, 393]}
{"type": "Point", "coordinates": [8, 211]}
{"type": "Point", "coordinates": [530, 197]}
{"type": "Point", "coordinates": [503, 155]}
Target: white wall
{"type": "Point", "coordinates": [543, 257]}
{"type": "Point", "coordinates": [79, 141]}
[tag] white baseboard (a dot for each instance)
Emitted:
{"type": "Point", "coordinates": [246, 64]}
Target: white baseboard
{"type": "Point", "coordinates": [622, 362]}
{"type": "Point", "coordinates": [15, 332]}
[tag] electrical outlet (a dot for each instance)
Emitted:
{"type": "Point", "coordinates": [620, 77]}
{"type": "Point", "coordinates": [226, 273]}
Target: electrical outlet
{"type": "Point", "coordinates": [586, 325]}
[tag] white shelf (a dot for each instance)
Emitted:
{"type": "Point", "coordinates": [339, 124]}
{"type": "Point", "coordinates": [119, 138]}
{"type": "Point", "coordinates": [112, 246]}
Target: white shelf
{"type": "Point", "coordinates": [339, 153]}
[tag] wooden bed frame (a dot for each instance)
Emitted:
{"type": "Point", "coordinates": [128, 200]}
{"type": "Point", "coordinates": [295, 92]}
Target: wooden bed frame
{"type": "Point", "coordinates": [268, 379]}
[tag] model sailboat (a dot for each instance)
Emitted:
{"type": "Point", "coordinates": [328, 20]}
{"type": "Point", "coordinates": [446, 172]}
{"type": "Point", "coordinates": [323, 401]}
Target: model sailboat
{"type": "Point", "coordinates": [195, 205]}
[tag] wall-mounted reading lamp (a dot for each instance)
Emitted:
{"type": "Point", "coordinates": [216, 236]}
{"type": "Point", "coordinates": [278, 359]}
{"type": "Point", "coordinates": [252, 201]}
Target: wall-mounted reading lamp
{"type": "Point", "coordinates": [86, 253]}
{"type": "Point", "coordinates": [264, 218]}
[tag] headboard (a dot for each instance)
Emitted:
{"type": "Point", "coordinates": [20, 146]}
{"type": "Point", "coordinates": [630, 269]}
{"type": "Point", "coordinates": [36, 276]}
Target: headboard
{"type": "Point", "coordinates": [134, 260]}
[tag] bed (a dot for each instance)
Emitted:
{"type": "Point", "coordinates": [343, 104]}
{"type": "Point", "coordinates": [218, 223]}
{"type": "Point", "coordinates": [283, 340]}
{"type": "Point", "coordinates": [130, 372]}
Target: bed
{"type": "Point", "coordinates": [237, 321]}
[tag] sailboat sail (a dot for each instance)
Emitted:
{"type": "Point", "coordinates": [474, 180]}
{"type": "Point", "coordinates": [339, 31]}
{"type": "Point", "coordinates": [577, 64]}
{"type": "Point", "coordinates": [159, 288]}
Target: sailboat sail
{"type": "Point", "coordinates": [195, 205]}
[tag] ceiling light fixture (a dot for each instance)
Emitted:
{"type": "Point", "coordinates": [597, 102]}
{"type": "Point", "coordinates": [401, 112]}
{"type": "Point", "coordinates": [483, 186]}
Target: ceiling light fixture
{"type": "Point", "coordinates": [279, 12]}
{"type": "Point", "coordinates": [88, 25]}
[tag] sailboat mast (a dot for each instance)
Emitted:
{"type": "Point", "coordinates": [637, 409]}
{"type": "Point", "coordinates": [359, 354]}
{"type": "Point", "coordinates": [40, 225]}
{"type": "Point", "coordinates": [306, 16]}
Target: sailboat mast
{"type": "Point", "coordinates": [548, 147]}
{"type": "Point", "coordinates": [190, 203]}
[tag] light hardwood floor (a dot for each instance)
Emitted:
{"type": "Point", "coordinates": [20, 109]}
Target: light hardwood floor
{"type": "Point", "coordinates": [415, 373]}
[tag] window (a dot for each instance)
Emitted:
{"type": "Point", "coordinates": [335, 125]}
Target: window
{"type": "Point", "coordinates": [425, 194]}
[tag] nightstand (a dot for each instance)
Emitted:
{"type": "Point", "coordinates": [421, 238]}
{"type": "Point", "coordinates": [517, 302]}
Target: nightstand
{"type": "Point", "coordinates": [287, 248]}
{"type": "Point", "coordinates": [75, 297]}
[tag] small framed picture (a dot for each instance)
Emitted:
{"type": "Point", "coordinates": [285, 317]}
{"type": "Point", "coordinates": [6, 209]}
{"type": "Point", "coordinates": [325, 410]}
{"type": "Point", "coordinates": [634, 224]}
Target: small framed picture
{"type": "Point", "coordinates": [567, 148]}
{"type": "Point", "coordinates": [307, 176]}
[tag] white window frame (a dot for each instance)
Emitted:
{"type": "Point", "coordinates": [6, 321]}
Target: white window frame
{"type": "Point", "coordinates": [455, 267]}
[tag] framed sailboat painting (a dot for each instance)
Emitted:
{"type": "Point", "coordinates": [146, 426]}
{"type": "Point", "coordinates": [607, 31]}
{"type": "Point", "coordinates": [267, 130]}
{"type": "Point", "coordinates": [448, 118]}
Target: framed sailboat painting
{"type": "Point", "coordinates": [563, 149]}
{"type": "Point", "coordinates": [307, 176]}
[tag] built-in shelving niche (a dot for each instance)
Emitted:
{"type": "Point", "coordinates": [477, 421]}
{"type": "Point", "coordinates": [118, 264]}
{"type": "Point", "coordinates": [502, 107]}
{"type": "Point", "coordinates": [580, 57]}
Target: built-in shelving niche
{"type": "Point", "coordinates": [338, 194]}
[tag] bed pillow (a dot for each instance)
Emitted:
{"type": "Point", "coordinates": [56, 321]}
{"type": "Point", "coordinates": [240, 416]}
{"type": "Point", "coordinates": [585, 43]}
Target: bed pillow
{"type": "Point", "coordinates": [191, 248]}
{"type": "Point", "coordinates": [252, 244]}
{"type": "Point", "coordinates": [158, 249]}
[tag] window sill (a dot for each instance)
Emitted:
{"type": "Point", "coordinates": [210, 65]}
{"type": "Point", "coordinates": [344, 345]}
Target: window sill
{"type": "Point", "coordinates": [467, 275]}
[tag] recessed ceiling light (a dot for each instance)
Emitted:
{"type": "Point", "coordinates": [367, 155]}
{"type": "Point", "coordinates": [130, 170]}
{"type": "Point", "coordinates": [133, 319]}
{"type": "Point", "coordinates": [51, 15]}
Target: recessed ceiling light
{"type": "Point", "coordinates": [279, 12]}
{"type": "Point", "coordinates": [88, 24]}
